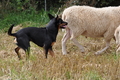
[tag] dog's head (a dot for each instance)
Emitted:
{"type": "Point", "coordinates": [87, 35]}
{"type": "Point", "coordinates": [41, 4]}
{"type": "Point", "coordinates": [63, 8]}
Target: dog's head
{"type": "Point", "coordinates": [59, 23]}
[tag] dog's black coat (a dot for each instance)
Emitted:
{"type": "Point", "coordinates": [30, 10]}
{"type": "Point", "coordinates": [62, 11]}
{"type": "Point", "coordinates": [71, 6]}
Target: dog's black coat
{"type": "Point", "coordinates": [43, 37]}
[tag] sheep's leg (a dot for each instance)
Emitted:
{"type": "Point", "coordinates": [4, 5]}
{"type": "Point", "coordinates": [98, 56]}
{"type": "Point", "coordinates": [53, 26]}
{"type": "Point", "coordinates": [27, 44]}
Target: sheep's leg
{"type": "Point", "coordinates": [64, 40]}
{"type": "Point", "coordinates": [78, 45]}
{"type": "Point", "coordinates": [118, 49]}
{"type": "Point", "coordinates": [118, 39]}
{"type": "Point", "coordinates": [107, 46]}
{"type": "Point", "coordinates": [117, 36]}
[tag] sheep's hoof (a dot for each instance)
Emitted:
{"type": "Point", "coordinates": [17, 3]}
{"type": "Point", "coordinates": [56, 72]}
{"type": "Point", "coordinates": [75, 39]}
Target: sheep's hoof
{"type": "Point", "coordinates": [82, 51]}
{"type": "Point", "coordinates": [64, 53]}
{"type": "Point", "coordinates": [97, 53]}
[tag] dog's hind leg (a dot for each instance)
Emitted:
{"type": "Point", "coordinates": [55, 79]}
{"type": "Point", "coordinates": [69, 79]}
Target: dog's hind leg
{"type": "Point", "coordinates": [27, 51]}
{"type": "Point", "coordinates": [25, 45]}
{"type": "Point", "coordinates": [17, 51]}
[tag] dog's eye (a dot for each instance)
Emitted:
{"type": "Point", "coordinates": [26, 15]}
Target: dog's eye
{"type": "Point", "coordinates": [60, 22]}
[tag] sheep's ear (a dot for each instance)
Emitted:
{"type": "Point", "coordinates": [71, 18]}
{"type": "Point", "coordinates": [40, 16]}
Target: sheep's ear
{"type": "Point", "coordinates": [50, 16]}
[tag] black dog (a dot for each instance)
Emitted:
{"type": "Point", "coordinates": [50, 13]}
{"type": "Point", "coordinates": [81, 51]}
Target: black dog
{"type": "Point", "coordinates": [43, 37]}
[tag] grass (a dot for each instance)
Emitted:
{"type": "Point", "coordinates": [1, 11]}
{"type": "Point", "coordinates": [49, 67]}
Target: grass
{"type": "Point", "coordinates": [73, 66]}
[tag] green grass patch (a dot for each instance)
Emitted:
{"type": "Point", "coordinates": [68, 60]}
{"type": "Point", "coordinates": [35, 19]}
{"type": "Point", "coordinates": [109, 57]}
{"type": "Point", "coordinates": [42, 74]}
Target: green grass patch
{"type": "Point", "coordinates": [92, 75]}
{"type": "Point", "coordinates": [31, 18]}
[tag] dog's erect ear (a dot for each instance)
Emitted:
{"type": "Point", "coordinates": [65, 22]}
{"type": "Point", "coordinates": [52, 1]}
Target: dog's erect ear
{"type": "Point", "coordinates": [57, 16]}
{"type": "Point", "coordinates": [50, 16]}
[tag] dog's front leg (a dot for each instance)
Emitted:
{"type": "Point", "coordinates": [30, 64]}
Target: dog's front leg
{"type": "Point", "coordinates": [46, 53]}
{"type": "Point", "coordinates": [46, 50]}
{"type": "Point", "coordinates": [51, 51]}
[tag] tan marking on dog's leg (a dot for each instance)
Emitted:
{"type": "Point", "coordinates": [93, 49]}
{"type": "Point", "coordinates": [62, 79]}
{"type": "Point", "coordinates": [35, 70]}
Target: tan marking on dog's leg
{"type": "Point", "coordinates": [52, 43]}
{"type": "Point", "coordinates": [51, 52]}
{"type": "Point", "coordinates": [17, 51]}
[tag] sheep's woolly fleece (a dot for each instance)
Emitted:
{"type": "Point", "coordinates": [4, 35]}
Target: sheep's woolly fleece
{"type": "Point", "coordinates": [90, 22]}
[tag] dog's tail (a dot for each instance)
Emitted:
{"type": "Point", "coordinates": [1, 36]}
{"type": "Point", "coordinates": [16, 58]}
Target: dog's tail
{"type": "Point", "coordinates": [10, 31]}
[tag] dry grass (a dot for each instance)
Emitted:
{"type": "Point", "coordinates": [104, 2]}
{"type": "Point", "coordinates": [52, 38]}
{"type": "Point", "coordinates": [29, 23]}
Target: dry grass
{"type": "Point", "coordinates": [73, 66]}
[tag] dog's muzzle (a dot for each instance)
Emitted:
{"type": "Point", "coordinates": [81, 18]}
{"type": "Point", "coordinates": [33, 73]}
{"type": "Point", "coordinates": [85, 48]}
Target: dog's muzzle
{"type": "Point", "coordinates": [64, 25]}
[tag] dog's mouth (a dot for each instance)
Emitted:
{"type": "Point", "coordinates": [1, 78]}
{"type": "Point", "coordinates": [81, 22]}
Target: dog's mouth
{"type": "Point", "coordinates": [63, 26]}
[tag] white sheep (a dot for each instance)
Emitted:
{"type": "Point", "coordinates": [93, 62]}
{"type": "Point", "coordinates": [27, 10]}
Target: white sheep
{"type": "Point", "coordinates": [90, 22]}
{"type": "Point", "coordinates": [117, 37]}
